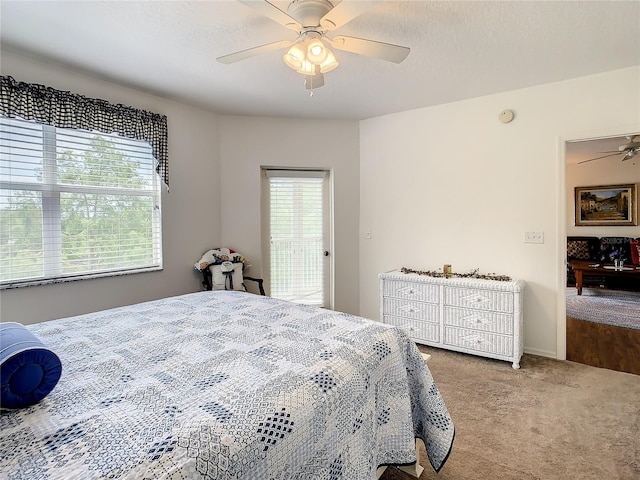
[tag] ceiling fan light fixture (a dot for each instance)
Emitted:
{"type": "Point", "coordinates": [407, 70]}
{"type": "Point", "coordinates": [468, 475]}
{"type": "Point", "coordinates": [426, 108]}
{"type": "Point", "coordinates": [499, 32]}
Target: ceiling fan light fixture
{"type": "Point", "coordinates": [317, 52]}
{"type": "Point", "coordinates": [329, 63]}
{"type": "Point", "coordinates": [311, 57]}
{"type": "Point", "coordinates": [295, 58]}
{"type": "Point", "coordinates": [307, 68]}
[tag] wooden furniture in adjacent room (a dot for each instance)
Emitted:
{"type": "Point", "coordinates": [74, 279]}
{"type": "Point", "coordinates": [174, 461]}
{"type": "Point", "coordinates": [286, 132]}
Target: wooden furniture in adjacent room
{"type": "Point", "coordinates": [584, 268]}
{"type": "Point", "coordinates": [476, 316]}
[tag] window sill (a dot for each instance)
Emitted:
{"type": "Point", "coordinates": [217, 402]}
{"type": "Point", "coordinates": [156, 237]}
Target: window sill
{"type": "Point", "coordinates": [75, 278]}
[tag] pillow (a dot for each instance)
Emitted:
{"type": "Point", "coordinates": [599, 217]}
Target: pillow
{"type": "Point", "coordinates": [227, 276]}
{"type": "Point", "coordinates": [578, 249]}
{"type": "Point", "coordinates": [621, 245]}
{"type": "Point", "coordinates": [28, 369]}
{"type": "Point", "coordinates": [218, 255]}
{"type": "Point", "coordinates": [635, 251]}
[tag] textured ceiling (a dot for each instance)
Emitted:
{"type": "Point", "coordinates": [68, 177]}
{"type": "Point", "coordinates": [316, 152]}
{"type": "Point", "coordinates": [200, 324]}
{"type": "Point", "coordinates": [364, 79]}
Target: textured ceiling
{"type": "Point", "coordinates": [459, 50]}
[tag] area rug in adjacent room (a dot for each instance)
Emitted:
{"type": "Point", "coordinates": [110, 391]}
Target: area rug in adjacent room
{"type": "Point", "coordinates": [613, 307]}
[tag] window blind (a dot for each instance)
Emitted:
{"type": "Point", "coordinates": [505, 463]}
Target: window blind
{"type": "Point", "coordinates": [296, 236]}
{"type": "Point", "coordinates": [75, 204]}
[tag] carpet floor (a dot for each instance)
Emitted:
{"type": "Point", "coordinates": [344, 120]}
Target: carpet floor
{"type": "Point", "coordinates": [549, 420]}
{"type": "Point", "coordinates": [613, 307]}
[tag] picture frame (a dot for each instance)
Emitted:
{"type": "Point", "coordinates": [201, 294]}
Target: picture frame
{"type": "Point", "coordinates": [612, 205]}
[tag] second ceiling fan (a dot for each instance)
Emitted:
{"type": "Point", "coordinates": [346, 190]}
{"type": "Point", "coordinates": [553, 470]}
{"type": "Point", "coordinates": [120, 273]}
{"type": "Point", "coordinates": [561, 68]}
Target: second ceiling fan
{"type": "Point", "coordinates": [628, 150]}
{"type": "Point", "coordinates": [310, 53]}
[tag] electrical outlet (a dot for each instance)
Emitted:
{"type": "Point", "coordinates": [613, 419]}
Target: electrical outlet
{"type": "Point", "coordinates": [533, 237]}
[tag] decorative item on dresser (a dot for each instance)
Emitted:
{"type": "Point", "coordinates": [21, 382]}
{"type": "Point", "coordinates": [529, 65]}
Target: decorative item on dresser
{"type": "Point", "coordinates": [470, 315]}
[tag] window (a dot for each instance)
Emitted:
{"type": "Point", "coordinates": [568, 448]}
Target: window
{"type": "Point", "coordinates": [75, 204]}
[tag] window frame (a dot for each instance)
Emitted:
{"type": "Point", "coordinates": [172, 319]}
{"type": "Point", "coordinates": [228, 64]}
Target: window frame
{"type": "Point", "coordinates": [51, 210]}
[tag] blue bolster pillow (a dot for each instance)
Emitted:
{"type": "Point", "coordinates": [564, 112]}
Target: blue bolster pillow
{"type": "Point", "coordinates": [28, 369]}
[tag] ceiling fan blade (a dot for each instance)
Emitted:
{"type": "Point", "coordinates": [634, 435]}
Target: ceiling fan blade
{"type": "Point", "coordinates": [371, 48]}
{"type": "Point", "coordinates": [252, 52]}
{"type": "Point", "coordinates": [274, 13]}
{"type": "Point", "coordinates": [344, 12]}
{"type": "Point", "coordinates": [598, 158]}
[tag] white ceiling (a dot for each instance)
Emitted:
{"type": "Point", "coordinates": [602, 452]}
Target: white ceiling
{"type": "Point", "coordinates": [459, 50]}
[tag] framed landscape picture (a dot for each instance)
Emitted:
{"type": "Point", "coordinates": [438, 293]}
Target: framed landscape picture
{"type": "Point", "coordinates": [607, 205]}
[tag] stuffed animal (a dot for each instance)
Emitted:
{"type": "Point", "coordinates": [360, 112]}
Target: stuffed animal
{"type": "Point", "coordinates": [218, 255]}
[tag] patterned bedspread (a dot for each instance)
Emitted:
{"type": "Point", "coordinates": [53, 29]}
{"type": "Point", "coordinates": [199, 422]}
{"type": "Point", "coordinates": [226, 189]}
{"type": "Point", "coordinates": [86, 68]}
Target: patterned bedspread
{"type": "Point", "coordinates": [226, 385]}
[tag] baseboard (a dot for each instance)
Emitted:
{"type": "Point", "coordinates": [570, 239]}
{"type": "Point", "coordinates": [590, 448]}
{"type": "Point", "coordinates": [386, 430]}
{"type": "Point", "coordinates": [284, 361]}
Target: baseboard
{"type": "Point", "coordinates": [540, 353]}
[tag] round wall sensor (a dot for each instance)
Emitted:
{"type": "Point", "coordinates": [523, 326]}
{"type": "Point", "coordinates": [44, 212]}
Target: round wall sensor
{"type": "Point", "coordinates": [505, 116]}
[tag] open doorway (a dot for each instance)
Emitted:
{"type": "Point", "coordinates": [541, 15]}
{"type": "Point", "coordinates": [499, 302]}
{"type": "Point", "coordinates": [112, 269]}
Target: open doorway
{"type": "Point", "coordinates": [603, 303]}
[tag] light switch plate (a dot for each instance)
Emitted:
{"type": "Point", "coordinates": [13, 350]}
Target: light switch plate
{"type": "Point", "coordinates": [533, 237]}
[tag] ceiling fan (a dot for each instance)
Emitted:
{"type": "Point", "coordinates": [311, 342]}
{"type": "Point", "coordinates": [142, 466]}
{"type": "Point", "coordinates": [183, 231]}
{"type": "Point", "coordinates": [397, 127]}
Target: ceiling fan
{"type": "Point", "coordinates": [629, 149]}
{"type": "Point", "coordinates": [310, 53]}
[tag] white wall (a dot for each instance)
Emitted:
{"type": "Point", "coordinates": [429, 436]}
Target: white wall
{"type": "Point", "coordinates": [608, 171]}
{"type": "Point", "coordinates": [451, 184]}
{"type": "Point", "coordinates": [247, 143]}
{"type": "Point", "coordinates": [190, 212]}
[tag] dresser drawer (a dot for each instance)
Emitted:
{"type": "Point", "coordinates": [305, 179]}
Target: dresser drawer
{"type": "Point", "coordinates": [479, 299]}
{"type": "Point", "coordinates": [479, 316]}
{"type": "Point", "coordinates": [427, 312]}
{"type": "Point", "coordinates": [416, 329]}
{"type": "Point", "coordinates": [478, 341]}
{"type": "Point", "coordinates": [411, 291]}
{"type": "Point", "coordinates": [486, 321]}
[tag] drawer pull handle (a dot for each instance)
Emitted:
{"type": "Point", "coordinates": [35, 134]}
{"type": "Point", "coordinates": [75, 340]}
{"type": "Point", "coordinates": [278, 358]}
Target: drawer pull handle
{"type": "Point", "coordinates": [473, 340]}
{"type": "Point", "coordinates": [410, 310]}
{"type": "Point", "coordinates": [474, 320]}
{"type": "Point", "coordinates": [406, 291]}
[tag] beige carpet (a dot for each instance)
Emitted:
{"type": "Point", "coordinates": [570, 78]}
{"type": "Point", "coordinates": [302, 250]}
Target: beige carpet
{"type": "Point", "coordinates": [548, 420]}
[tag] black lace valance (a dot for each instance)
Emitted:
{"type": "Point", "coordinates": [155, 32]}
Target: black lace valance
{"type": "Point", "coordinates": [69, 110]}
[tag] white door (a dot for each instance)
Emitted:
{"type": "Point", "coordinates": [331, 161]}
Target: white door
{"type": "Point", "coordinates": [297, 235]}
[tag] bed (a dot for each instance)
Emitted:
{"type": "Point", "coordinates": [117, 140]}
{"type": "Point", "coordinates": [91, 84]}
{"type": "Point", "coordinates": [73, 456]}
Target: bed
{"type": "Point", "coordinates": [226, 385]}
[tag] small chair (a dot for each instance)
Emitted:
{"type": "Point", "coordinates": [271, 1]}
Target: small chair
{"type": "Point", "coordinates": [207, 281]}
{"type": "Point", "coordinates": [259, 281]}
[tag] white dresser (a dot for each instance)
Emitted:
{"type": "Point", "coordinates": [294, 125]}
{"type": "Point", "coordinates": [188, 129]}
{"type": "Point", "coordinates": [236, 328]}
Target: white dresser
{"type": "Point", "coordinates": [481, 317]}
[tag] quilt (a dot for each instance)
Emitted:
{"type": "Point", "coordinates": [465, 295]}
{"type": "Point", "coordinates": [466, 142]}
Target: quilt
{"type": "Point", "coordinates": [226, 385]}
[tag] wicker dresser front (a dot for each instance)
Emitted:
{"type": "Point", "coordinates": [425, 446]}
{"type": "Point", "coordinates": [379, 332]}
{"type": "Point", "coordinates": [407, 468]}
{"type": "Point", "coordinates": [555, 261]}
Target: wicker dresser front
{"type": "Point", "coordinates": [482, 317]}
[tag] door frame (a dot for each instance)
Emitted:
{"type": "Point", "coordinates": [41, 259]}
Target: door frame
{"type": "Point", "coordinates": [328, 215]}
{"type": "Point", "coordinates": [561, 218]}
